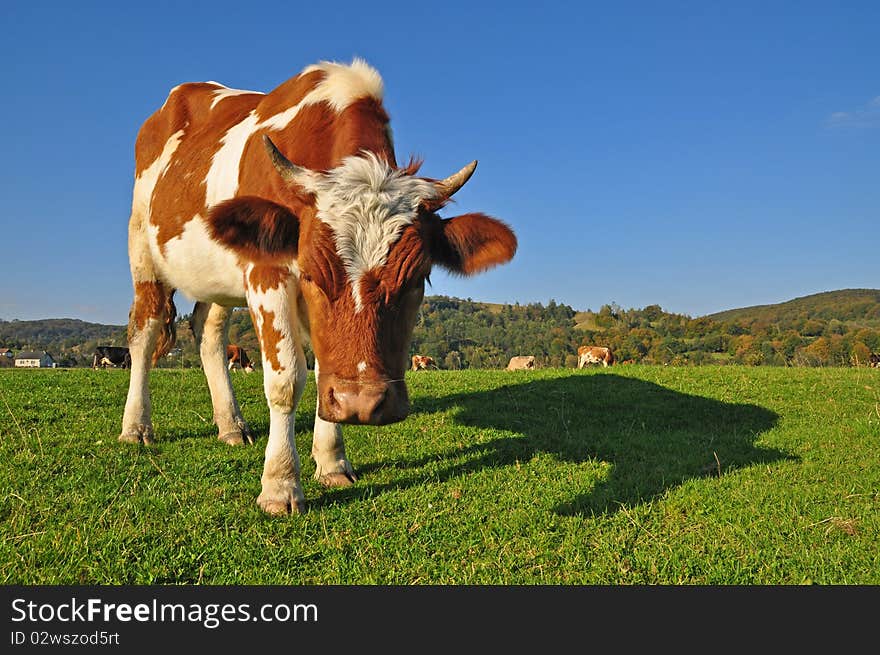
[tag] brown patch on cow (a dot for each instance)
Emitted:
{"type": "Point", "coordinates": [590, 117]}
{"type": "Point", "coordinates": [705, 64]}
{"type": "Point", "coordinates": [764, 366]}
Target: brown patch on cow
{"type": "Point", "coordinates": [306, 141]}
{"type": "Point", "coordinates": [471, 243]}
{"type": "Point", "coordinates": [378, 335]}
{"type": "Point", "coordinates": [152, 300]}
{"type": "Point", "coordinates": [263, 278]}
{"type": "Point", "coordinates": [172, 117]}
{"type": "Point", "coordinates": [343, 337]}
{"type": "Point", "coordinates": [288, 94]}
{"type": "Point", "coordinates": [179, 194]}
{"type": "Point", "coordinates": [269, 338]}
{"type": "Point", "coordinates": [363, 125]}
{"type": "Point", "coordinates": [407, 261]}
{"type": "Point", "coordinates": [310, 137]}
{"type": "Point", "coordinates": [319, 263]}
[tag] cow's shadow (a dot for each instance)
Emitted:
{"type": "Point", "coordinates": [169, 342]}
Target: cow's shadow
{"type": "Point", "coordinates": [652, 437]}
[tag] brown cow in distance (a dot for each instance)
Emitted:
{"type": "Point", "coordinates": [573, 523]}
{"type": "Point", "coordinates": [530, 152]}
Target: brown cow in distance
{"type": "Point", "coordinates": [291, 203]}
{"type": "Point", "coordinates": [237, 357]}
{"type": "Point", "coordinates": [595, 355]}
{"type": "Point", "coordinates": [422, 363]}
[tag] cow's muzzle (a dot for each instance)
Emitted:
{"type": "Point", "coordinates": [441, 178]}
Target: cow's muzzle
{"type": "Point", "coordinates": [362, 403]}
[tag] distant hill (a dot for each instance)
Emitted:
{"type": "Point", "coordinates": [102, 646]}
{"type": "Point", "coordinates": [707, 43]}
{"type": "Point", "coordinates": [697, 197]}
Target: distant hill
{"type": "Point", "coordinates": [835, 328]}
{"type": "Point", "coordinates": [585, 321]}
{"type": "Point", "coordinates": [858, 307]}
{"type": "Point", "coordinates": [57, 334]}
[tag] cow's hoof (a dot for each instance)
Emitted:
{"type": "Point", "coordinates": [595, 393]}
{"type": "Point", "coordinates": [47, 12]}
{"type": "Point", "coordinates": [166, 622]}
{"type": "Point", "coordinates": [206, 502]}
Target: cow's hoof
{"type": "Point", "coordinates": [277, 507]}
{"type": "Point", "coordinates": [141, 434]}
{"type": "Point", "coordinates": [235, 438]}
{"type": "Point", "coordinates": [340, 479]}
{"type": "Point", "coordinates": [241, 435]}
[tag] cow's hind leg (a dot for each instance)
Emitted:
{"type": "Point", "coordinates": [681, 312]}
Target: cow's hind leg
{"type": "Point", "coordinates": [210, 323]}
{"type": "Point", "coordinates": [151, 335]}
{"type": "Point", "coordinates": [284, 377]}
{"type": "Point", "coordinates": [332, 468]}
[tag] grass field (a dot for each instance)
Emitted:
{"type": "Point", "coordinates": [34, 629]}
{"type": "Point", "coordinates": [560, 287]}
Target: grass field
{"type": "Point", "coordinates": [630, 475]}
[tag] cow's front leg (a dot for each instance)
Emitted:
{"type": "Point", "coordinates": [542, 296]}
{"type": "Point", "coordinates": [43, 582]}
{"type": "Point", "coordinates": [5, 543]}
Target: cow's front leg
{"type": "Point", "coordinates": [150, 335]}
{"type": "Point", "coordinates": [332, 468]}
{"type": "Point", "coordinates": [284, 377]}
{"type": "Point", "coordinates": [210, 323]}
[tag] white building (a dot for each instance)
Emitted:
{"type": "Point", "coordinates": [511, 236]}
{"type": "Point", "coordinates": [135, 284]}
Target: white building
{"type": "Point", "coordinates": [27, 359]}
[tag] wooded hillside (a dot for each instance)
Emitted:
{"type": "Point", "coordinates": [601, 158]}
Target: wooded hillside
{"type": "Point", "coordinates": [838, 328]}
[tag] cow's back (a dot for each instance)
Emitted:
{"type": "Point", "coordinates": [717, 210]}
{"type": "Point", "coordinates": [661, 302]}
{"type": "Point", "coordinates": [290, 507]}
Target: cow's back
{"type": "Point", "coordinates": [204, 146]}
{"type": "Point", "coordinates": [193, 108]}
{"type": "Point", "coordinates": [181, 140]}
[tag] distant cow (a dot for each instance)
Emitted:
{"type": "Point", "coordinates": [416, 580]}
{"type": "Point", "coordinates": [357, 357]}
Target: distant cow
{"type": "Point", "coordinates": [874, 360]}
{"type": "Point", "coordinates": [236, 356]}
{"type": "Point", "coordinates": [521, 363]}
{"type": "Point", "coordinates": [595, 355]}
{"type": "Point", "coordinates": [111, 356]}
{"type": "Point", "coordinates": [422, 362]}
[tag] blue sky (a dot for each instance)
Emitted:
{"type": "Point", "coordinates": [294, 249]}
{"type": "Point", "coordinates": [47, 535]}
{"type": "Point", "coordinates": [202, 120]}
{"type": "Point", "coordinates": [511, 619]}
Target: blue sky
{"type": "Point", "coordinates": [697, 155]}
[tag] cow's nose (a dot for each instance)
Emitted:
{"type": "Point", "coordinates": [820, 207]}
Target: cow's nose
{"type": "Point", "coordinates": [367, 404]}
{"type": "Point", "coordinates": [364, 406]}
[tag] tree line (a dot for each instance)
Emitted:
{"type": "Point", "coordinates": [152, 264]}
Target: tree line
{"type": "Point", "coordinates": [833, 329]}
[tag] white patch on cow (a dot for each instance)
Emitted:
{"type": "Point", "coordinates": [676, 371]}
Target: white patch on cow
{"type": "Point", "coordinates": [146, 181]}
{"type": "Point", "coordinates": [362, 366]}
{"type": "Point", "coordinates": [226, 92]}
{"type": "Point", "coordinates": [367, 204]}
{"type": "Point", "coordinates": [198, 266]}
{"type": "Point", "coordinates": [344, 83]}
{"type": "Point", "coordinates": [221, 183]}
{"type": "Point", "coordinates": [340, 86]}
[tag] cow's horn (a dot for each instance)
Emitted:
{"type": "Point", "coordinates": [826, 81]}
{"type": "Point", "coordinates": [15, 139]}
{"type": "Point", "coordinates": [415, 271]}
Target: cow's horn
{"type": "Point", "coordinates": [453, 183]}
{"type": "Point", "coordinates": [289, 171]}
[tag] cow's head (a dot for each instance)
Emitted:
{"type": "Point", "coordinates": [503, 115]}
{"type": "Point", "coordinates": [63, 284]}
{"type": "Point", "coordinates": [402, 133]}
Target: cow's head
{"type": "Point", "coordinates": [366, 237]}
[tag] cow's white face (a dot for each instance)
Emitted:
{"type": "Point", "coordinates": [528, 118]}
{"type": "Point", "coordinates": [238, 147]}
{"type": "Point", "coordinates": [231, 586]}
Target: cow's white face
{"type": "Point", "coordinates": [366, 204]}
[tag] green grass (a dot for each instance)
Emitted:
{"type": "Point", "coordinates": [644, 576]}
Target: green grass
{"type": "Point", "coordinates": [630, 475]}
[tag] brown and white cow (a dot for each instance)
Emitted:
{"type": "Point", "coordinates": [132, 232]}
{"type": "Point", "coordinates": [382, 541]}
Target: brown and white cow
{"type": "Point", "coordinates": [521, 363]}
{"type": "Point", "coordinates": [422, 363]}
{"type": "Point", "coordinates": [334, 248]}
{"type": "Point", "coordinates": [236, 356]}
{"type": "Point", "coordinates": [595, 355]}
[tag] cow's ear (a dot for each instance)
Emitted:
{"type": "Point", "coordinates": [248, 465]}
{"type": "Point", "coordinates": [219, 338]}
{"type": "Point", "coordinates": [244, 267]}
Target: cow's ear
{"type": "Point", "coordinates": [254, 226]}
{"type": "Point", "coordinates": [471, 243]}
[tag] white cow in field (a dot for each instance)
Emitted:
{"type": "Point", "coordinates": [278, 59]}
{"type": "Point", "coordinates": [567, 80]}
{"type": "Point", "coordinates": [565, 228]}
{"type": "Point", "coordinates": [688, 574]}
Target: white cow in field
{"type": "Point", "coordinates": [521, 363]}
